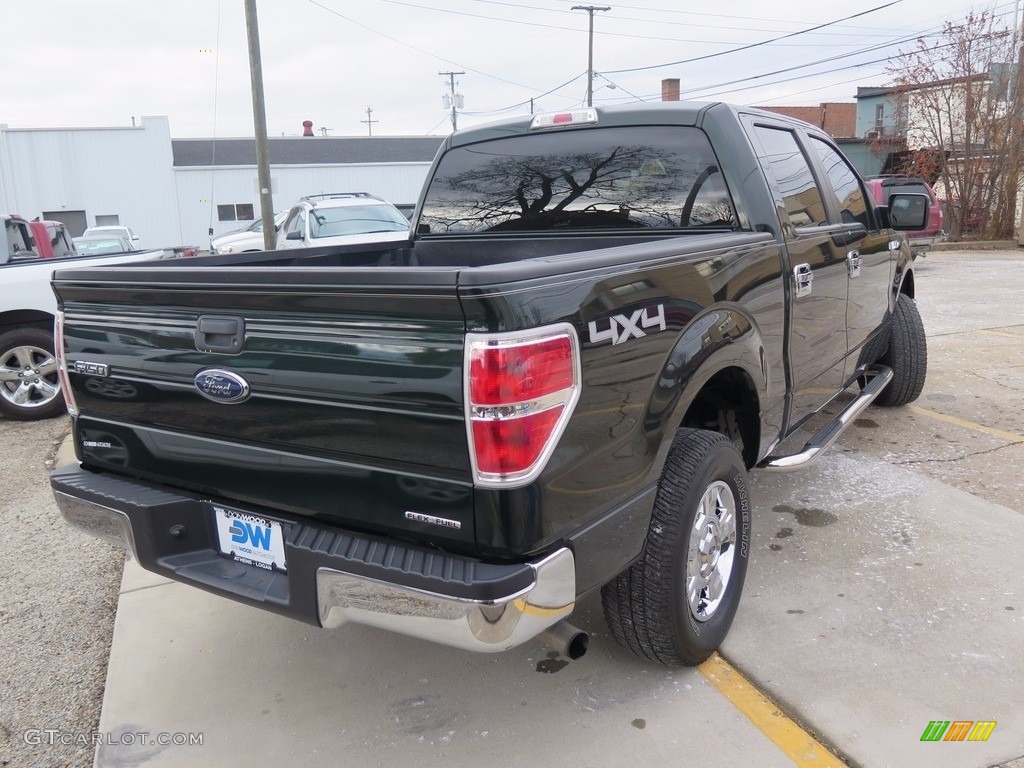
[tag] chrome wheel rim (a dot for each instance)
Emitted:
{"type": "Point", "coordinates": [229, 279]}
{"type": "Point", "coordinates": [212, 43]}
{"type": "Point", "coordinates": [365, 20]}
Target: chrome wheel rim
{"type": "Point", "coordinates": [28, 377]}
{"type": "Point", "coordinates": [711, 551]}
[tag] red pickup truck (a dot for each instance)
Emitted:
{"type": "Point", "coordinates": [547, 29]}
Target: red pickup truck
{"type": "Point", "coordinates": [51, 239]}
{"type": "Point", "coordinates": [35, 239]}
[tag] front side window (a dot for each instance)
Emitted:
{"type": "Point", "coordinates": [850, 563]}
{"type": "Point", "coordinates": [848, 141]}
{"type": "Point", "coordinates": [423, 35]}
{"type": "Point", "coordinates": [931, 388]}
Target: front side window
{"type": "Point", "coordinates": [657, 177]}
{"type": "Point", "coordinates": [294, 222]}
{"type": "Point", "coordinates": [793, 176]}
{"type": "Point", "coordinates": [849, 194]}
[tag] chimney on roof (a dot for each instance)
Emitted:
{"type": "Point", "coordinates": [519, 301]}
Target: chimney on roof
{"type": "Point", "coordinates": [307, 127]}
{"type": "Point", "coordinates": [670, 89]}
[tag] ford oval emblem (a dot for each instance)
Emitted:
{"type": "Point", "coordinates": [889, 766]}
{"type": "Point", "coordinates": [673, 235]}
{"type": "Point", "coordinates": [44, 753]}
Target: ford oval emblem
{"type": "Point", "coordinates": [222, 386]}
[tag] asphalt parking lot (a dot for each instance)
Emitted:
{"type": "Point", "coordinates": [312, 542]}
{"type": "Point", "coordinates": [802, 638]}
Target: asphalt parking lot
{"type": "Point", "coordinates": [885, 592]}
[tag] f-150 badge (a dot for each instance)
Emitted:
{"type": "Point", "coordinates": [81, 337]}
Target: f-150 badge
{"type": "Point", "coordinates": [632, 326]}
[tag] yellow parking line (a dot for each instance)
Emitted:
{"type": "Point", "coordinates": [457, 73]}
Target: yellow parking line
{"type": "Point", "coordinates": [1001, 333]}
{"type": "Point", "coordinates": [1002, 435]}
{"type": "Point", "coordinates": [798, 745]}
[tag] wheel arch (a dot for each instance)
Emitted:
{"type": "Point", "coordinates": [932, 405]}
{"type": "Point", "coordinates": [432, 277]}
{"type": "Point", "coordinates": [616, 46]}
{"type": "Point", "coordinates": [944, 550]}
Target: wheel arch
{"type": "Point", "coordinates": [715, 378]}
{"type": "Point", "coordinates": [22, 318]}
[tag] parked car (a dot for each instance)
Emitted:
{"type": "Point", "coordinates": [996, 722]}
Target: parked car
{"type": "Point", "coordinates": [245, 240]}
{"type": "Point", "coordinates": [342, 218]}
{"type": "Point", "coordinates": [93, 245]}
{"type": "Point", "coordinates": [30, 387]}
{"type": "Point", "coordinates": [119, 231]}
{"type": "Point", "coordinates": [885, 186]}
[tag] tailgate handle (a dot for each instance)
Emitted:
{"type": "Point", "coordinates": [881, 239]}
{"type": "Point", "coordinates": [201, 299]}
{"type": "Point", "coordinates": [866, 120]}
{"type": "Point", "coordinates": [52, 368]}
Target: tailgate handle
{"type": "Point", "coordinates": [220, 333]}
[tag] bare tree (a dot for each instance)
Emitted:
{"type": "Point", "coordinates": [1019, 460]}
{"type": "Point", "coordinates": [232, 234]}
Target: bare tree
{"type": "Point", "coordinates": [960, 112]}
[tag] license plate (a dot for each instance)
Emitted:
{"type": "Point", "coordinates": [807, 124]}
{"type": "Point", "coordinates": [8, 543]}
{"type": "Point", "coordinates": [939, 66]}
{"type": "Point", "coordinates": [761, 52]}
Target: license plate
{"type": "Point", "coordinates": [250, 539]}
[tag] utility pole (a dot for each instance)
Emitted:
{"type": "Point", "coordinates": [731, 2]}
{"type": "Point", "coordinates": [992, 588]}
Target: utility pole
{"type": "Point", "coordinates": [591, 9]}
{"type": "Point", "coordinates": [452, 98]}
{"type": "Point", "coordinates": [259, 116]}
{"type": "Point", "coordinates": [369, 119]}
{"type": "Point", "coordinates": [1016, 121]}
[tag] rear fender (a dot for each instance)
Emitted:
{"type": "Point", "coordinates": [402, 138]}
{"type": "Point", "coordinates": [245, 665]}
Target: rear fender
{"type": "Point", "coordinates": [724, 338]}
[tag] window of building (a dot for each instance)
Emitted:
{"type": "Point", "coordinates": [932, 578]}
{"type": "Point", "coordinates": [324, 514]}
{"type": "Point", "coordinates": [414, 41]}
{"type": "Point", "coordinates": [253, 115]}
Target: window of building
{"type": "Point", "coordinates": [108, 220]}
{"type": "Point", "coordinates": [879, 116]}
{"type": "Point", "coordinates": [236, 212]}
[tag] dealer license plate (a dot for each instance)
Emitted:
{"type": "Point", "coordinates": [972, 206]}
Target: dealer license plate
{"type": "Point", "coordinates": [250, 539]}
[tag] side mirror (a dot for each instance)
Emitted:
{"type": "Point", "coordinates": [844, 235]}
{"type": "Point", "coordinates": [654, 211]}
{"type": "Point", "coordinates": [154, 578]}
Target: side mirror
{"type": "Point", "coordinates": [908, 211]}
{"type": "Point", "coordinates": [293, 236]}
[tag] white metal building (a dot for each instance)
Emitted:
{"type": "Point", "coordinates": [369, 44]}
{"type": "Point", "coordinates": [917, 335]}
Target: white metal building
{"type": "Point", "coordinates": [173, 191]}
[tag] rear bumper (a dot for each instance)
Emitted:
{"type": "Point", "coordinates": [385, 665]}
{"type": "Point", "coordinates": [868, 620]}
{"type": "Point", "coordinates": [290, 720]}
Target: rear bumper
{"type": "Point", "coordinates": [334, 577]}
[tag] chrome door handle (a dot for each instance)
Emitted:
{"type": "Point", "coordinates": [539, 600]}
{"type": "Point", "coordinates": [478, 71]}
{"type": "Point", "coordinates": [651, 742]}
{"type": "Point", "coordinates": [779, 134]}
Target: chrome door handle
{"type": "Point", "coordinates": [803, 277]}
{"type": "Point", "coordinates": [853, 263]}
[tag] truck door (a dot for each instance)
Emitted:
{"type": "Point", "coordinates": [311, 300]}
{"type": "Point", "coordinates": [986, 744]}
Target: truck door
{"type": "Point", "coordinates": [858, 240]}
{"type": "Point", "coordinates": [817, 342]}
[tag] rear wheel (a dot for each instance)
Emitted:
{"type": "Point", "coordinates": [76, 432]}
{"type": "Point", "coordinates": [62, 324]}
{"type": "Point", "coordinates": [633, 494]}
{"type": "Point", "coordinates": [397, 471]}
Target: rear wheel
{"type": "Point", "coordinates": [907, 355]}
{"type": "Point", "coordinates": [676, 604]}
{"type": "Point", "coordinates": [29, 386]}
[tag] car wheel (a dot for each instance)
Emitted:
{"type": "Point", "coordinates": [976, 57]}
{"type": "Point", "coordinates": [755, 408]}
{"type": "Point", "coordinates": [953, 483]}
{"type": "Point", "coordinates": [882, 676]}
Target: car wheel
{"type": "Point", "coordinates": [676, 603]}
{"type": "Point", "coordinates": [29, 385]}
{"type": "Point", "coordinates": [907, 355]}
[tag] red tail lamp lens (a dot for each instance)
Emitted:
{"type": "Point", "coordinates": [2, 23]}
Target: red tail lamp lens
{"type": "Point", "coordinates": [516, 374]}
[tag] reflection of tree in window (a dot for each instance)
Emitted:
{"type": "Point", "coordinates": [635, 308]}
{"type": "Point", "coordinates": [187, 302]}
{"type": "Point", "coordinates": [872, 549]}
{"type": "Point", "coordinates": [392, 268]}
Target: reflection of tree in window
{"type": "Point", "coordinates": [608, 179]}
{"type": "Point", "coordinates": [793, 175]}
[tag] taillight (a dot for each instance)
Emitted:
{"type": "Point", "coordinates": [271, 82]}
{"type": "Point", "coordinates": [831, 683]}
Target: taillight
{"type": "Point", "coordinates": [62, 365]}
{"type": "Point", "coordinates": [521, 388]}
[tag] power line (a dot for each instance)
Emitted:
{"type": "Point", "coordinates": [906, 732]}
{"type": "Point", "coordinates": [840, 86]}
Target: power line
{"type": "Point", "coordinates": [755, 45]}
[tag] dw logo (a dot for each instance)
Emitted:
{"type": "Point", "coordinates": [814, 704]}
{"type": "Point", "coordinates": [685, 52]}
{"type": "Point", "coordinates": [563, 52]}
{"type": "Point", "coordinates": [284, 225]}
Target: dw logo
{"type": "Point", "coordinates": [243, 532]}
{"type": "Point", "coordinates": [622, 328]}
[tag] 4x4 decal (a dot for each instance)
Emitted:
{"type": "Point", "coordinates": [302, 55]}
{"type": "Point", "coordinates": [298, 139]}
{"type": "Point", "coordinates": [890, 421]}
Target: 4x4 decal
{"type": "Point", "coordinates": [624, 327]}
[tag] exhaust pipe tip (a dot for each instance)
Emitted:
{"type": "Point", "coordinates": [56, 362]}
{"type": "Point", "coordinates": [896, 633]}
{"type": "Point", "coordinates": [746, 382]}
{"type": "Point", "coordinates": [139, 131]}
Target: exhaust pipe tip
{"type": "Point", "coordinates": [572, 642]}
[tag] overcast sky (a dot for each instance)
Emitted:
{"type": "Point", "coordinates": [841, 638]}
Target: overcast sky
{"type": "Point", "coordinates": [75, 63]}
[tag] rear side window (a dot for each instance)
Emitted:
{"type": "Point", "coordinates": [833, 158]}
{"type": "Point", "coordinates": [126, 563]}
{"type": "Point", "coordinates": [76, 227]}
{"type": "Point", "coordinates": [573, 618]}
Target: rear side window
{"type": "Point", "coordinates": [658, 177]}
{"type": "Point", "coordinates": [793, 176]}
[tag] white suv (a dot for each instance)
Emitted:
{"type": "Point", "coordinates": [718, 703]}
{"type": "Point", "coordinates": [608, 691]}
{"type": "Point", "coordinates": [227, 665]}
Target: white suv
{"type": "Point", "coordinates": [342, 218]}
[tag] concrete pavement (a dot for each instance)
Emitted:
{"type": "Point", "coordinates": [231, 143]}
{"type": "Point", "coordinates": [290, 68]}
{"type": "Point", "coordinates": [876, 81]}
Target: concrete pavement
{"type": "Point", "coordinates": [877, 601]}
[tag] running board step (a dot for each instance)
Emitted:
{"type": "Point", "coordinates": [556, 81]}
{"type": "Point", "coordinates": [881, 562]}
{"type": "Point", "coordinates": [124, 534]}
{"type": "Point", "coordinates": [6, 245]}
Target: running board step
{"type": "Point", "coordinates": [878, 377]}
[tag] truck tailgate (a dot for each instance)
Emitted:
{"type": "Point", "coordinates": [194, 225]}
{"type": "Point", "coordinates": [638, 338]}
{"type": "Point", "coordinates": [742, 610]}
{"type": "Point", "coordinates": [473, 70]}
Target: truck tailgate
{"type": "Point", "coordinates": [353, 412]}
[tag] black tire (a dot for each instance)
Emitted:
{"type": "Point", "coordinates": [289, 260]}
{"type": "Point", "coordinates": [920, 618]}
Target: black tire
{"type": "Point", "coordinates": [907, 355]}
{"type": "Point", "coordinates": [648, 607]}
{"type": "Point", "coordinates": [29, 385]}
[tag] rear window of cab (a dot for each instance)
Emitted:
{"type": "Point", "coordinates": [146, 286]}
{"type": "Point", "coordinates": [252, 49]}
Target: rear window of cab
{"type": "Point", "coordinates": [601, 178]}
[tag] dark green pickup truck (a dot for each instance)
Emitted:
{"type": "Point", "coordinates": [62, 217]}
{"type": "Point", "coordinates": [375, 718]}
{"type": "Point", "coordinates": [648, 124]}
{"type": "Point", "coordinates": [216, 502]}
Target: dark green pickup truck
{"type": "Point", "coordinates": [601, 321]}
